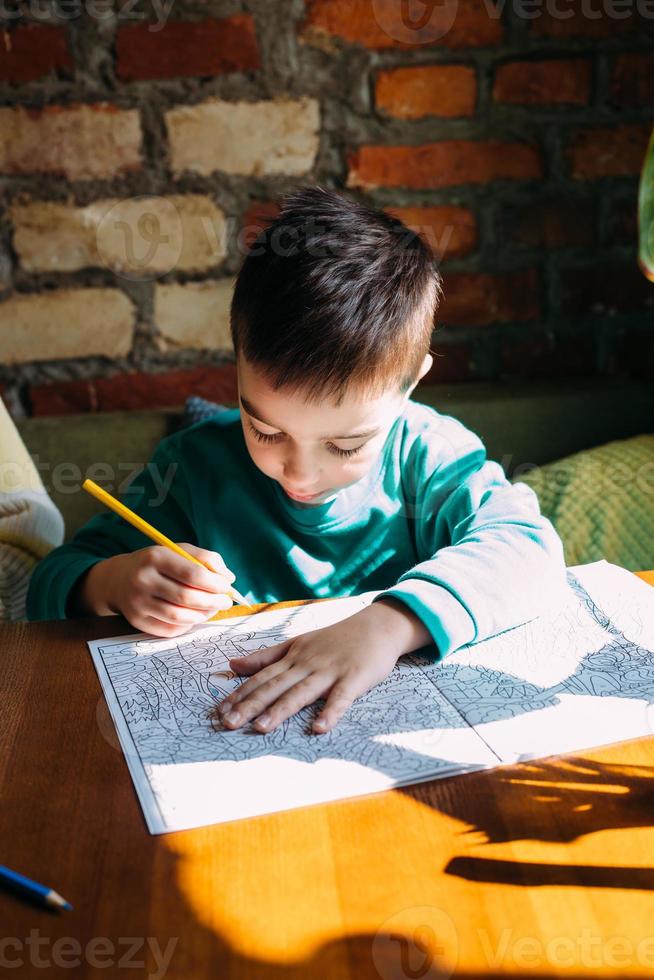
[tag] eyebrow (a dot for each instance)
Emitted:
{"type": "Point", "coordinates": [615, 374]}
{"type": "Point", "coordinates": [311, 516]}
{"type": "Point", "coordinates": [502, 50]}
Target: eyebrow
{"type": "Point", "coordinates": [251, 410]}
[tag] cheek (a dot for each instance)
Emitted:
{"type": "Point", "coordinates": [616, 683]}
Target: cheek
{"type": "Point", "coordinates": [267, 458]}
{"type": "Point", "coordinates": [349, 470]}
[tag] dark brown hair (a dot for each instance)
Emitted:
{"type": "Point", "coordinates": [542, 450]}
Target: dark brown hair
{"type": "Point", "coordinates": [335, 294]}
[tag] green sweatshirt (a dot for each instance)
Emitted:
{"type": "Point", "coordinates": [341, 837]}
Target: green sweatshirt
{"type": "Point", "coordinates": [433, 523]}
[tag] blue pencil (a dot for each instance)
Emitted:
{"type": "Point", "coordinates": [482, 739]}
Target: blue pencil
{"type": "Point", "coordinates": [31, 889]}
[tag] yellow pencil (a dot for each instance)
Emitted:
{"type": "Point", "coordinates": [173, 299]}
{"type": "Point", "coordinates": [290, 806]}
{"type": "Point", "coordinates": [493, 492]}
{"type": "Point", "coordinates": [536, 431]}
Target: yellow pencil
{"type": "Point", "coordinates": [147, 529]}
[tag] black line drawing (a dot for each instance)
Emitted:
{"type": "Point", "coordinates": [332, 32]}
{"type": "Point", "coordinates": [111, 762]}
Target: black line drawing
{"type": "Point", "coordinates": [616, 667]}
{"type": "Point", "coordinates": [166, 697]}
{"type": "Point", "coordinates": [571, 671]}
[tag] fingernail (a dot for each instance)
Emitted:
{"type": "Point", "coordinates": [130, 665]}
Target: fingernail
{"type": "Point", "coordinates": [320, 723]}
{"type": "Point", "coordinates": [263, 720]}
{"type": "Point", "coordinates": [223, 707]}
{"type": "Point", "coordinates": [233, 717]}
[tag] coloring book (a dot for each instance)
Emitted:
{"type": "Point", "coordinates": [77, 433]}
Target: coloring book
{"type": "Point", "coordinates": [582, 675]}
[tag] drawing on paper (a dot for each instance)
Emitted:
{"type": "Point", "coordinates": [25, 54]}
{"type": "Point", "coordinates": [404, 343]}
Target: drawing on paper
{"type": "Point", "coordinates": [167, 688]}
{"type": "Point", "coordinates": [504, 677]}
{"type": "Point", "coordinates": [427, 719]}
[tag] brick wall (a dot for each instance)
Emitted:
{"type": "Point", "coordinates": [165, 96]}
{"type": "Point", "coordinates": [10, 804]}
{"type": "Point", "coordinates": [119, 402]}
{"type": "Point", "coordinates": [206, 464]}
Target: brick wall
{"type": "Point", "coordinates": [140, 154]}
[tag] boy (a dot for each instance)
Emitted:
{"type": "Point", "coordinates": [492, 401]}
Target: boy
{"type": "Point", "coordinates": [326, 481]}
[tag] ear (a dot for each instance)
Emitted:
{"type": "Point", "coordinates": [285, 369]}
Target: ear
{"type": "Point", "coordinates": [424, 368]}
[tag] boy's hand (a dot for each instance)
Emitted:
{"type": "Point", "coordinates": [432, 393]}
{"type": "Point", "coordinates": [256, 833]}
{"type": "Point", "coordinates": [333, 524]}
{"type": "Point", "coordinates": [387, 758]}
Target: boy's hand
{"type": "Point", "coordinates": [158, 591]}
{"type": "Point", "coordinates": [339, 662]}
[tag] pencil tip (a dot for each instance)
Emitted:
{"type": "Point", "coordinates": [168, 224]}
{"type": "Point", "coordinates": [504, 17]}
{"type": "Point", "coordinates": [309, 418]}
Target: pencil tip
{"type": "Point", "coordinates": [56, 901]}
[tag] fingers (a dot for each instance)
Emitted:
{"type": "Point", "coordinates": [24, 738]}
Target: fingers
{"type": "Point", "coordinates": [212, 558]}
{"type": "Point", "coordinates": [266, 676]}
{"type": "Point", "coordinates": [276, 700]}
{"type": "Point", "coordinates": [260, 658]}
{"type": "Point", "coordinates": [156, 627]}
{"type": "Point", "coordinates": [188, 573]}
{"type": "Point", "coordinates": [170, 591]}
{"type": "Point", "coordinates": [178, 615]}
{"type": "Point", "coordinates": [340, 698]}
{"type": "Point", "coordinates": [298, 697]}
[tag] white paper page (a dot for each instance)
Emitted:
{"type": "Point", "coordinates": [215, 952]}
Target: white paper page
{"type": "Point", "coordinates": [572, 679]}
{"type": "Point", "coordinates": [188, 774]}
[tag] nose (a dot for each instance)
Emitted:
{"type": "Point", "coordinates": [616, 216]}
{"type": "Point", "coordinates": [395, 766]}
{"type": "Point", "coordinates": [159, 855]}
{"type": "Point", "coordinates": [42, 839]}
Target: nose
{"type": "Point", "coordinates": [300, 473]}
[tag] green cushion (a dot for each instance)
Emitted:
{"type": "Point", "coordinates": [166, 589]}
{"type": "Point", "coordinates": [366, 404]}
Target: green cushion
{"type": "Point", "coordinates": [601, 502]}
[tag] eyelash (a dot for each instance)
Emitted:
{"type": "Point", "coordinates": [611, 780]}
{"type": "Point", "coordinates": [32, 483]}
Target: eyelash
{"type": "Point", "coordinates": [264, 437]}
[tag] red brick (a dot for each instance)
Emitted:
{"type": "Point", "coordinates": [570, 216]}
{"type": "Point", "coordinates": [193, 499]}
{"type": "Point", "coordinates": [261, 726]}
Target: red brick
{"type": "Point", "coordinates": [435, 90]}
{"type": "Point", "coordinates": [553, 82]}
{"type": "Point", "coordinates": [453, 363]}
{"type": "Point", "coordinates": [379, 25]}
{"type": "Point", "coordinates": [546, 357]}
{"type": "Point", "coordinates": [257, 218]}
{"type": "Point", "coordinates": [609, 152]}
{"type": "Point", "coordinates": [444, 164]}
{"type": "Point", "coordinates": [571, 19]}
{"type": "Point", "coordinates": [187, 48]}
{"type": "Point", "coordinates": [135, 391]}
{"type": "Point", "coordinates": [549, 223]}
{"type": "Point", "coordinates": [479, 298]}
{"type": "Point", "coordinates": [130, 392]}
{"type": "Point", "coordinates": [449, 231]}
{"type": "Point", "coordinates": [632, 79]}
{"type": "Point", "coordinates": [32, 51]}
{"type": "Point", "coordinates": [606, 288]}
{"type": "Point", "coordinates": [63, 398]}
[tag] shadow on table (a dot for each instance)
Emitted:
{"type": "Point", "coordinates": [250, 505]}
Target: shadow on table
{"type": "Point", "coordinates": [556, 800]}
{"type": "Point", "coordinates": [533, 874]}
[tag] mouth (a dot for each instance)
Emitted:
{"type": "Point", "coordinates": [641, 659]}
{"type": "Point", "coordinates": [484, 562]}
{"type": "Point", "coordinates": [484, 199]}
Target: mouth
{"type": "Point", "coordinates": [304, 498]}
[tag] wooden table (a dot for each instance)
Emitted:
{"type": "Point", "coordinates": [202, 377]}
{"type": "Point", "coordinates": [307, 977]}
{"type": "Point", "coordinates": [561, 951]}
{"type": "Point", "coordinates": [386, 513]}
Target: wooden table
{"type": "Point", "coordinates": [537, 870]}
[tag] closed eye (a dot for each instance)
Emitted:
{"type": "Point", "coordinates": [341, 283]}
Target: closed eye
{"type": "Point", "coordinates": [278, 436]}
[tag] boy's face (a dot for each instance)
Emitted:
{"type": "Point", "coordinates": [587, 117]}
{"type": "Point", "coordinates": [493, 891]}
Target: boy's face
{"type": "Point", "coordinates": [313, 450]}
